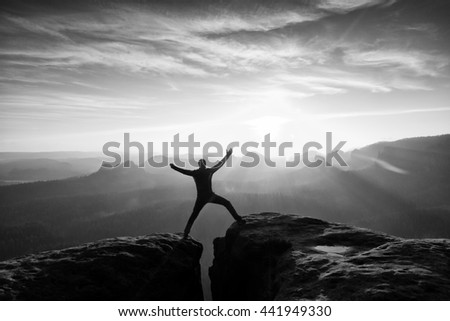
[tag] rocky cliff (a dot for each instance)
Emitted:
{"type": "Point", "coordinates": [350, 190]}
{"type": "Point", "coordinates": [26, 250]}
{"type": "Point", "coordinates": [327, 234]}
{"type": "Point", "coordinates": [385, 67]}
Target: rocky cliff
{"type": "Point", "coordinates": [271, 257]}
{"type": "Point", "coordinates": [154, 267]}
{"type": "Point", "coordinates": [288, 257]}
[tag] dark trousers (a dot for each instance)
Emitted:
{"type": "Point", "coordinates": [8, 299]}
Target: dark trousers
{"type": "Point", "coordinates": [201, 201]}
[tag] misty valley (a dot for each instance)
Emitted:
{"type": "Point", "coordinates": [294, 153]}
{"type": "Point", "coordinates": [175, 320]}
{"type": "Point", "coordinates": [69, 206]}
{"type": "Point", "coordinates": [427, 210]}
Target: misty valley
{"type": "Point", "coordinates": [400, 188]}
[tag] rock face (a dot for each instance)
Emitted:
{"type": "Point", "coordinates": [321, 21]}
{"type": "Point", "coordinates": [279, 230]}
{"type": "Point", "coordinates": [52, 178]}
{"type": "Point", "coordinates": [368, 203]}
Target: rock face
{"type": "Point", "coordinates": [288, 257]}
{"type": "Point", "coordinates": [154, 267]}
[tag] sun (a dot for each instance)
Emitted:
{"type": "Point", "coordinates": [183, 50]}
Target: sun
{"type": "Point", "coordinates": [267, 124]}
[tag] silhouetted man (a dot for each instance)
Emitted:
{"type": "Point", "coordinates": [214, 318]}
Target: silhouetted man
{"type": "Point", "coordinates": [205, 194]}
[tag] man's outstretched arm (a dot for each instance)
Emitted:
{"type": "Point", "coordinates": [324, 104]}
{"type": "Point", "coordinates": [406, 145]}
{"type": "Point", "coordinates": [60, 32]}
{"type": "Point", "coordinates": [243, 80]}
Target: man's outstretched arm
{"type": "Point", "coordinates": [181, 170]}
{"type": "Point", "coordinates": [223, 160]}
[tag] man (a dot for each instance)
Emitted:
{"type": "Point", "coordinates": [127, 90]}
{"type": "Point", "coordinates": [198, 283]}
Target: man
{"type": "Point", "coordinates": [205, 194]}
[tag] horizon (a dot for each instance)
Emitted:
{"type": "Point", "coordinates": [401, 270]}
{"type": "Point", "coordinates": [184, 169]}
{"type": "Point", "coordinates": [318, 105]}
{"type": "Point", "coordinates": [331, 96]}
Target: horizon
{"type": "Point", "coordinates": [345, 149]}
{"type": "Point", "coordinates": [82, 74]}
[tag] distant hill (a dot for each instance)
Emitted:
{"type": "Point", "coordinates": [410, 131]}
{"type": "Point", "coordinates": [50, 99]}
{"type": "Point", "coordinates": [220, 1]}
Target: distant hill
{"type": "Point", "coordinates": [45, 169]}
{"type": "Point", "coordinates": [104, 180]}
{"type": "Point", "coordinates": [8, 156]}
{"type": "Point", "coordinates": [410, 148]}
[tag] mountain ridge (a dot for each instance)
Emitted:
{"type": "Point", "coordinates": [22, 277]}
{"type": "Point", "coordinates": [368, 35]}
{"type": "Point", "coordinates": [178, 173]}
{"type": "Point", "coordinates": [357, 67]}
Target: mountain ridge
{"type": "Point", "coordinates": [287, 257]}
{"type": "Point", "coordinates": [272, 257]}
{"type": "Point", "coordinates": [154, 267]}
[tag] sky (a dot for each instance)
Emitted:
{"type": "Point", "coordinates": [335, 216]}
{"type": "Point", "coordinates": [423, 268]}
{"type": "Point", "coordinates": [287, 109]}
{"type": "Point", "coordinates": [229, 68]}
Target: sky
{"type": "Point", "coordinates": [77, 74]}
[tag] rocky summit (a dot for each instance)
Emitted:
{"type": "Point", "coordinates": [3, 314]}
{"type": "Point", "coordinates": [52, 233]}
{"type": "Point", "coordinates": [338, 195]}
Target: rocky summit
{"type": "Point", "coordinates": [271, 257]}
{"type": "Point", "coordinates": [290, 257]}
{"type": "Point", "coordinates": [153, 267]}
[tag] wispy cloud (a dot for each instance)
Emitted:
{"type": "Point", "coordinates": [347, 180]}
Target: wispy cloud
{"type": "Point", "coordinates": [417, 62]}
{"type": "Point", "coordinates": [224, 21]}
{"type": "Point", "coordinates": [208, 41]}
{"type": "Point", "coordinates": [34, 26]}
{"type": "Point", "coordinates": [343, 6]}
{"type": "Point", "coordinates": [335, 83]}
{"type": "Point", "coordinates": [123, 61]}
{"type": "Point", "coordinates": [382, 113]}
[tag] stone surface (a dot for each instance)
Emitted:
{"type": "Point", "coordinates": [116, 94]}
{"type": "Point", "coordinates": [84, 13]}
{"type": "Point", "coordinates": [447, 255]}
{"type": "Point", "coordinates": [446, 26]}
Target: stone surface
{"type": "Point", "coordinates": [153, 267]}
{"type": "Point", "coordinates": [289, 257]}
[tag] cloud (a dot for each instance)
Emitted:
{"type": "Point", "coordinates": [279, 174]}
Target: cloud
{"type": "Point", "coordinates": [343, 6]}
{"type": "Point", "coordinates": [382, 113]}
{"type": "Point", "coordinates": [252, 50]}
{"type": "Point", "coordinates": [34, 26]}
{"type": "Point", "coordinates": [224, 22]}
{"type": "Point", "coordinates": [417, 62]}
{"type": "Point", "coordinates": [333, 83]}
{"type": "Point", "coordinates": [203, 41]}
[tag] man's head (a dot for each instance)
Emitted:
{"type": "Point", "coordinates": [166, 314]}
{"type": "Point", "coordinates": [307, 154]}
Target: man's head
{"type": "Point", "coordinates": [202, 163]}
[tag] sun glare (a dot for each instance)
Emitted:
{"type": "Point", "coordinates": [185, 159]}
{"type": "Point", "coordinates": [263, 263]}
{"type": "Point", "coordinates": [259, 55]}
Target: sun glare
{"type": "Point", "coordinates": [267, 124]}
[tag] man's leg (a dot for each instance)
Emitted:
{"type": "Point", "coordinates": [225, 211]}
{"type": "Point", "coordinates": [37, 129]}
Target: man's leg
{"type": "Point", "coordinates": [216, 199]}
{"type": "Point", "coordinates": [199, 204]}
